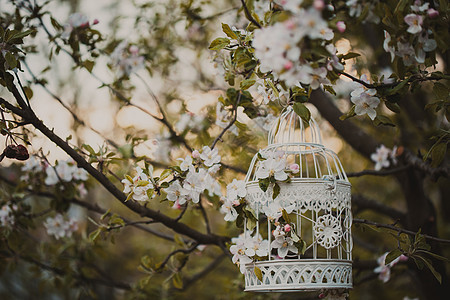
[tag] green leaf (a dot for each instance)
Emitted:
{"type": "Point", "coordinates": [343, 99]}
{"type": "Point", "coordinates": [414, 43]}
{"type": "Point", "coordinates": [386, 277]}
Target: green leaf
{"type": "Point", "coordinates": [349, 114]}
{"type": "Point", "coordinates": [427, 263]}
{"type": "Point", "coordinates": [251, 223]}
{"type": "Point", "coordinates": [93, 236]}
{"type": "Point", "coordinates": [219, 44]}
{"type": "Point", "coordinates": [441, 91]}
{"type": "Point", "coordinates": [91, 151]}
{"type": "Point", "coordinates": [128, 177]}
{"type": "Point", "coordinates": [329, 89]}
{"type": "Point", "coordinates": [150, 193]}
{"type": "Point", "coordinates": [434, 255]}
{"type": "Point", "coordinates": [177, 281]}
{"type": "Point", "coordinates": [245, 84]}
{"type": "Point", "coordinates": [438, 154]}
{"type": "Point", "coordinates": [392, 255]}
{"type": "Point", "coordinates": [166, 173]}
{"type": "Point", "coordinates": [383, 120]}
{"type": "Point", "coordinates": [178, 240]}
{"type": "Point", "coordinates": [228, 31]}
{"type": "Point", "coordinates": [28, 92]}
{"type": "Point", "coordinates": [276, 190]}
{"type": "Point", "coordinates": [258, 273]}
{"type": "Point", "coordinates": [129, 196]}
{"type": "Point", "coordinates": [11, 60]}
{"type": "Point", "coordinates": [20, 35]}
{"type": "Point", "coordinates": [89, 65]}
{"type": "Point", "coordinates": [105, 214]}
{"type": "Point", "coordinates": [392, 106]}
{"type": "Point", "coordinates": [285, 216]}
{"type": "Point", "coordinates": [301, 110]}
{"type": "Point", "coordinates": [398, 87]}
{"type": "Point", "coordinates": [350, 55]}
{"type": "Point", "coordinates": [264, 184]}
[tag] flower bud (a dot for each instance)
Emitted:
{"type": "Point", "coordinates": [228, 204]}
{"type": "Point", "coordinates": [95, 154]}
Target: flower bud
{"type": "Point", "coordinates": [432, 13]}
{"type": "Point", "coordinates": [319, 4]}
{"type": "Point", "coordinates": [295, 168]}
{"type": "Point", "coordinates": [195, 154]}
{"type": "Point", "coordinates": [341, 26]}
{"type": "Point", "coordinates": [287, 228]}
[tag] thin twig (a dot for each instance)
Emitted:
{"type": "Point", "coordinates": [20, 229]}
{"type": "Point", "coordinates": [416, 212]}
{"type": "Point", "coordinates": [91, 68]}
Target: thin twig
{"type": "Point", "coordinates": [219, 137]}
{"type": "Point", "coordinates": [185, 251]}
{"type": "Point", "coordinates": [249, 15]}
{"type": "Point", "coordinates": [188, 282]}
{"type": "Point", "coordinates": [398, 229]}
{"type": "Point", "coordinates": [378, 173]}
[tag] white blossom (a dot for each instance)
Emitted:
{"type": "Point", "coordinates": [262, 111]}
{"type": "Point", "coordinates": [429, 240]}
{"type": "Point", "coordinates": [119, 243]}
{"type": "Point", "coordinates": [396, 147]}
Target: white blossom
{"type": "Point", "coordinates": [256, 246]}
{"type": "Point", "coordinates": [7, 215]}
{"type": "Point", "coordinates": [385, 270]}
{"type": "Point", "coordinates": [272, 167]}
{"type": "Point", "coordinates": [314, 25]}
{"type": "Point", "coordinates": [209, 156]}
{"type": "Point", "coordinates": [228, 209]}
{"type": "Point", "coordinates": [139, 185]}
{"type": "Point", "coordinates": [415, 23]}
{"type": "Point", "coordinates": [194, 184]}
{"type": "Point", "coordinates": [419, 7]}
{"type": "Point", "coordinates": [33, 164]}
{"type": "Point", "coordinates": [76, 20]}
{"type": "Point", "coordinates": [406, 52]}
{"type": "Point", "coordinates": [59, 227]}
{"type": "Point", "coordinates": [382, 155]}
{"type": "Point", "coordinates": [126, 59]}
{"type": "Point", "coordinates": [284, 245]}
{"type": "Point", "coordinates": [176, 193]}
{"type": "Point", "coordinates": [389, 49]}
{"type": "Point", "coordinates": [185, 163]}
{"type": "Point", "coordinates": [239, 256]}
{"type": "Point", "coordinates": [236, 189]}
{"type": "Point", "coordinates": [364, 99]}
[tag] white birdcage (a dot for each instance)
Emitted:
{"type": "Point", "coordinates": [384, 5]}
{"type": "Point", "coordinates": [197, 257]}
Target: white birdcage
{"type": "Point", "coordinates": [317, 201]}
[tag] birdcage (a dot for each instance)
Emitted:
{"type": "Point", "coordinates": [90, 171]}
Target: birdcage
{"type": "Point", "coordinates": [316, 199]}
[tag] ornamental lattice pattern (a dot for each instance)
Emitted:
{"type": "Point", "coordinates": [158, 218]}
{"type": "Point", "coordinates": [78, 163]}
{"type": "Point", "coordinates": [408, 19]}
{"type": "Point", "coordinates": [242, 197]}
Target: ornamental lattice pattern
{"type": "Point", "coordinates": [306, 273]}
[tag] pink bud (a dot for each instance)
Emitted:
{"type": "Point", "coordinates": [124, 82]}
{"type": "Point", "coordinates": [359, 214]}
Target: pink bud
{"type": "Point", "coordinates": [287, 228]}
{"type": "Point", "coordinates": [319, 4]}
{"type": "Point", "coordinates": [403, 258]}
{"type": "Point", "coordinates": [133, 49]}
{"type": "Point", "coordinates": [322, 295]}
{"type": "Point", "coordinates": [341, 26]}
{"type": "Point", "coordinates": [290, 24]}
{"type": "Point", "coordinates": [288, 65]}
{"type": "Point", "coordinates": [96, 21]}
{"type": "Point", "coordinates": [195, 154]}
{"type": "Point", "coordinates": [176, 205]}
{"type": "Point", "coordinates": [294, 168]}
{"type": "Point", "coordinates": [432, 13]}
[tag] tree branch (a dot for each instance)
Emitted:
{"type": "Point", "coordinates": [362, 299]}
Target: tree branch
{"type": "Point", "coordinates": [188, 282]}
{"type": "Point", "coordinates": [379, 173]}
{"type": "Point", "coordinates": [364, 203]}
{"type": "Point", "coordinates": [400, 230]}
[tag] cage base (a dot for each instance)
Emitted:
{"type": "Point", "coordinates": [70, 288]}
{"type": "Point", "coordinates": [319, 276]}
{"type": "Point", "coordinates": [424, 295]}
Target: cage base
{"type": "Point", "coordinates": [295, 275]}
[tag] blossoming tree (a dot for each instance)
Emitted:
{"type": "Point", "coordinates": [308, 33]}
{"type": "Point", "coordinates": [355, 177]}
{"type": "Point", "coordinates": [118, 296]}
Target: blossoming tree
{"type": "Point", "coordinates": [156, 212]}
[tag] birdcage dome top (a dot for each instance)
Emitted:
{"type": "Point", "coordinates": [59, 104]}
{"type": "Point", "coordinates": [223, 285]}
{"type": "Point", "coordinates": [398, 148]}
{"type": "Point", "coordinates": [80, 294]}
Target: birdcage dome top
{"type": "Point", "coordinates": [290, 128]}
{"type": "Point", "coordinates": [299, 145]}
